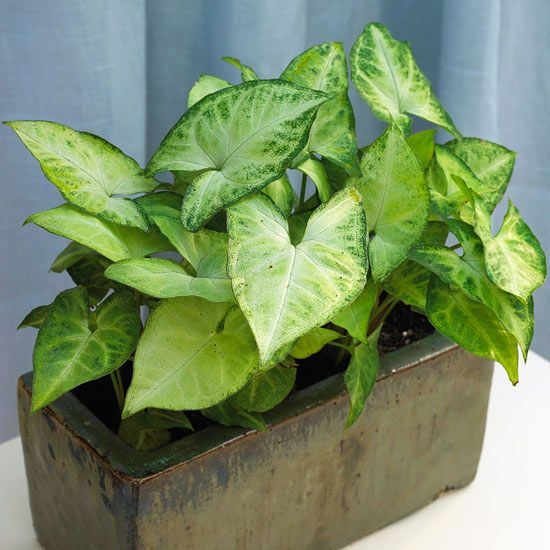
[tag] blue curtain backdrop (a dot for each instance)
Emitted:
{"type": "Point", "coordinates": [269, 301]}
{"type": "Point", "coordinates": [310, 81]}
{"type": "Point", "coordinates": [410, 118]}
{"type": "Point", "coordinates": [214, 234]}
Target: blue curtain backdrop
{"type": "Point", "coordinates": [122, 69]}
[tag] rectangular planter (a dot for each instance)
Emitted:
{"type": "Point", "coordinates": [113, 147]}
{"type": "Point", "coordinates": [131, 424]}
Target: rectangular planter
{"type": "Point", "coordinates": [306, 483]}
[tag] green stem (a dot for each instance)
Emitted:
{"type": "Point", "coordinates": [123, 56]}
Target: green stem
{"type": "Point", "coordinates": [118, 386]}
{"type": "Point", "coordinates": [382, 313]}
{"type": "Point", "coordinates": [339, 345]}
{"type": "Point", "coordinates": [302, 191]}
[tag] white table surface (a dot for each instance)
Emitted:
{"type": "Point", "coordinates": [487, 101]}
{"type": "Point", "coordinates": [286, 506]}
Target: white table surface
{"type": "Point", "coordinates": [507, 507]}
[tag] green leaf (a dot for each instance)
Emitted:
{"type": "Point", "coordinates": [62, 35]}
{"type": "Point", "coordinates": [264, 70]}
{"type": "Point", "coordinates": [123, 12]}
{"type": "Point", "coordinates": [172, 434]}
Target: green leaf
{"type": "Point", "coordinates": [313, 341]}
{"type": "Point", "coordinates": [71, 254]}
{"type": "Point", "coordinates": [87, 170]}
{"type": "Point", "coordinates": [395, 199]}
{"type": "Point", "coordinates": [297, 224]}
{"type": "Point", "coordinates": [247, 73]}
{"type": "Point", "coordinates": [281, 193]}
{"type": "Point", "coordinates": [286, 290]}
{"type": "Point", "coordinates": [468, 273]}
{"type": "Point", "coordinates": [265, 390]}
{"type": "Point", "coordinates": [422, 143]}
{"type": "Point", "coordinates": [192, 355]}
{"type": "Point", "coordinates": [86, 268]}
{"type": "Point", "coordinates": [456, 182]}
{"type": "Point", "coordinates": [409, 282]}
{"type": "Point", "coordinates": [205, 85]}
{"type": "Point", "coordinates": [514, 258]}
{"type": "Point", "coordinates": [229, 415]}
{"type": "Point", "coordinates": [75, 345]}
{"type": "Point", "coordinates": [491, 163]}
{"type": "Point", "coordinates": [35, 317]}
{"type": "Point", "coordinates": [149, 429]}
{"type": "Point", "coordinates": [205, 250]}
{"type": "Point", "coordinates": [141, 438]}
{"type": "Point", "coordinates": [162, 278]}
{"type": "Point", "coordinates": [116, 242]}
{"type": "Point", "coordinates": [235, 142]}
{"type": "Point", "coordinates": [361, 375]}
{"type": "Point", "coordinates": [387, 77]}
{"type": "Point", "coordinates": [471, 325]}
{"type": "Point", "coordinates": [324, 67]}
{"type": "Point", "coordinates": [355, 318]}
{"type": "Point", "coordinates": [337, 177]}
{"type": "Point", "coordinates": [316, 172]}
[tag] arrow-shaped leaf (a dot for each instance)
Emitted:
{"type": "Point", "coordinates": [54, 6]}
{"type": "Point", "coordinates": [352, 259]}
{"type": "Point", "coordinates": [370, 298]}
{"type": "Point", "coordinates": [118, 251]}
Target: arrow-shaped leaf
{"type": "Point", "coordinates": [395, 199]}
{"type": "Point", "coordinates": [514, 257]}
{"type": "Point", "coordinates": [468, 272]}
{"type": "Point", "coordinates": [324, 67]}
{"type": "Point", "coordinates": [471, 325]}
{"type": "Point", "coordinates": [235, 142]}
{"type": "Point", "coordinates": [193, 354]}
{"type": "Point", "coordinates": [387, 77]}
{"type": "Point", "coordinates": [74, 345]}
{"type": "Point", "coordinates": [87, 170]}
{"type": "Point", "coordinates": [286, 290]}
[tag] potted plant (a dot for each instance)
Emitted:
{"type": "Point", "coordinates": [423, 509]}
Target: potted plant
{"type": "Point", "coordinates": [220, 422]}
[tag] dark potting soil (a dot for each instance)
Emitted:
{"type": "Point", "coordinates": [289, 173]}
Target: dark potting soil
{"type": "Point", "coordinates": [402, 327]}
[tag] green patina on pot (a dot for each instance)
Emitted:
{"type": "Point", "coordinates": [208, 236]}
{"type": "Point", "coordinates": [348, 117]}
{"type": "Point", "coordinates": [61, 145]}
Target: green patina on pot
{"type": "Point", "coordinates": [306, 483]}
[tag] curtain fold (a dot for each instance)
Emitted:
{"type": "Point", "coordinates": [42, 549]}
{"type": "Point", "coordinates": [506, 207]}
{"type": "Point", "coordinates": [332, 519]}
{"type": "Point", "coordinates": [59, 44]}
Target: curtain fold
{"type": "Point", "coordinates": [123, 69]}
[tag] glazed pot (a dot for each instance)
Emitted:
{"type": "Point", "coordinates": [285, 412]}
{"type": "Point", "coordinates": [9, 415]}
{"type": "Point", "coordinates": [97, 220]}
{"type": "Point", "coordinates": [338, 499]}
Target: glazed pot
{"type": "Point", "coordinates": [305, 483]}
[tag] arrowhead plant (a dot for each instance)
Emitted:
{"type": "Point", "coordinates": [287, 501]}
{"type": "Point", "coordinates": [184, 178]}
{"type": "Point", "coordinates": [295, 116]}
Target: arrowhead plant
{"type": "Point", "coordinates": [253, 278]}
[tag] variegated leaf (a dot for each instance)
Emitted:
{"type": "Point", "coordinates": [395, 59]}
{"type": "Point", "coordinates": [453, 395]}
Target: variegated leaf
{"type": "Point", "coordinates": [193, 354]}
{"type": "Point", "coordinates": [35, 317]}
{"type": "Point", "coordinates": [281, 193]}
{"type": "Point", "coordinates": [324, 67]}
{"type": "Point", "coordinates": [75, 345]}
{"type": "Point", "coordinates": [235, 142]}
{"type": "Point", "coordinates": [286, 290]}
{"type": "Point", "coordinates": [88, 171]}
{"type": "Point", "coordinates": [514, 258]}
{"type": "Point", "coordinates": [491, 163]}
{"type": "Point", "coordinates": [205, 85]}
{"type": "Point", "coordinates": [395, 199]}
{"type": "Point", "coordinates": [115, 242]}
{"type": "Point", "coordinates": [422, 143]}
{"type": "Point", "coordinates": [387, 77]}
{"type": "Point", "coordinates": [467, 271]}
{"type": "Point", "coordinates": [471, 325]}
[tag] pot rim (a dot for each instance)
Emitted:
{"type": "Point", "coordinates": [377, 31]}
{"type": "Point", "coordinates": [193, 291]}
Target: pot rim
{"type": "Point", "coordinates": [138, 466]}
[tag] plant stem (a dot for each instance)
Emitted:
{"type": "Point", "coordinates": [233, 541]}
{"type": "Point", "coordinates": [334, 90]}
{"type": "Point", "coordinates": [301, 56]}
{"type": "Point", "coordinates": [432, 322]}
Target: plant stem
{"type": "Point", "coordinates": [302, 191]}
{"type": "Point", "coordinates": [384, 309]}
{"type": "Point", "coordinates": [118, 386]}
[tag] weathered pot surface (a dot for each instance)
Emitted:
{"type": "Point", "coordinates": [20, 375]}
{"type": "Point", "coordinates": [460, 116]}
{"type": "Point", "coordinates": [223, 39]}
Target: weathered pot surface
{"type": "Point", "coordinates": [306, 483]}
